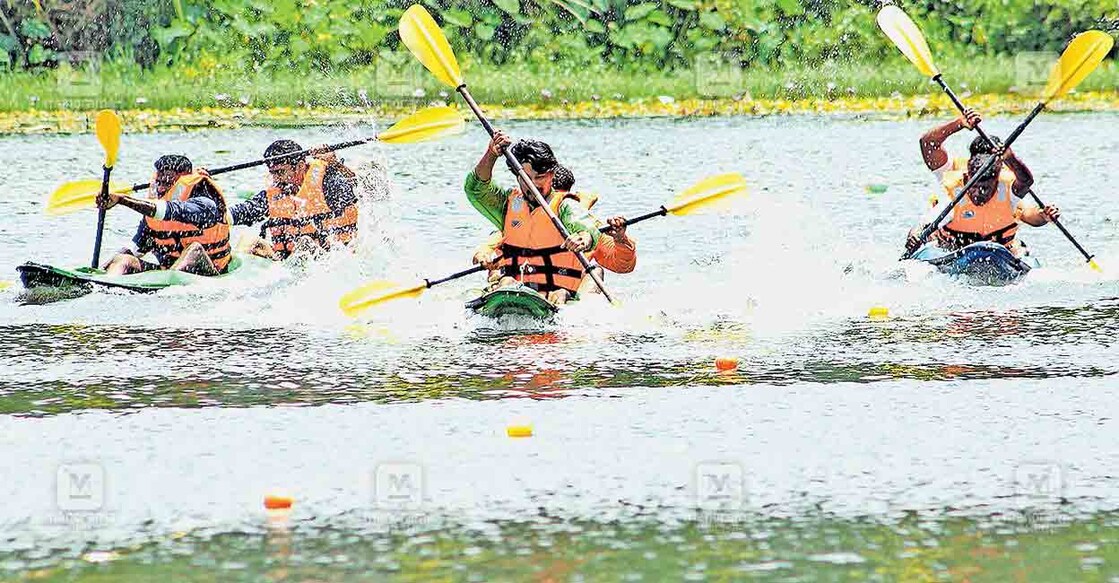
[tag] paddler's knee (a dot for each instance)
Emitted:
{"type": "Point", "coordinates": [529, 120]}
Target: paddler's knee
{"type": "Point", "coordinates": [261, 248]}
{"type": "Point", "coordinates": [558, 297]}
{"type": "Point", "coordinates": [195, 260]}
{"type": "Point", "coordinates": [588, 285]}
{"type": "Point", "coordinates": [124, 263]}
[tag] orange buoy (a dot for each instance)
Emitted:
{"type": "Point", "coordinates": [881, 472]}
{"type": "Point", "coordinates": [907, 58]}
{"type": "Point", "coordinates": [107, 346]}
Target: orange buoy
{"type": "Point", "coordinates": [725, 363]}
{"type": "Point", "coordinates": [277, 501]}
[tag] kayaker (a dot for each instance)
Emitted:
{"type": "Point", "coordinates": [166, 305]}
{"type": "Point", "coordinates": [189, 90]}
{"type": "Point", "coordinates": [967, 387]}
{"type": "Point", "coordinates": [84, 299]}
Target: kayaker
{"type": "Point", "coordinates": [185, 223]}
{"type": "Point", "coordinates": [532, 250]}
{"type": "Point", "coordinates": [992, 208]}
{"type": "Point", "coordinates": [616, 252]}
{"type": "Point", "coordinates": [310, 204]}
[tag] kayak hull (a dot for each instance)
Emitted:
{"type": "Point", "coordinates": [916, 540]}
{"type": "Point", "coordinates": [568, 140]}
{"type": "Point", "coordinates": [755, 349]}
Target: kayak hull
{"type": "Point", "coordinates": [39, 277]}
{"type": "Point", "coordinates": [514, 301]}
{"type": "Point", "coordinates": [983, 263]}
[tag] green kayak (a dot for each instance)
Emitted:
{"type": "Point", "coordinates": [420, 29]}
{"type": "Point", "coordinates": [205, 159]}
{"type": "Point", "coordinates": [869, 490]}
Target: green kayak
{"type": "Point", "coordinates": [513, 301]}
{"type": "Point", "coordinates": [42, 280]}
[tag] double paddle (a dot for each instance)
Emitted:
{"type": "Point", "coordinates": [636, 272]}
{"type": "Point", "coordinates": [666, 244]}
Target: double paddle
{"type": "Point", "coordinates": [704, 194]}
{"type": "Point", "coordinates": [107, 128]}
{"type": "Point", "coordinates": [1082, 56]}
{"type": "Point", "coordinates": [426, 124]}
{"type": "Point", "coordinates": [427, 42]}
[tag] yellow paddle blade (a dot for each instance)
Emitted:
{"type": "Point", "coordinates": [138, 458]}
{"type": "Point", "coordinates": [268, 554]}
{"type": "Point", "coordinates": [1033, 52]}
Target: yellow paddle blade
{"type": "Point", "coordinates": [1095, 266]}
{"type": "Point", "coordinates": [78, 195]}
{"type": "Point", "coordinates": [707, 192]}
{"type": "Point", "coordinates": [900, 28]}
{"type": "Point", "coordinates": [107, 126]}
{"type": "Point", "coordinates": [4, 284]}
{"type": "Point", "coordinates": [426, 41]}
{"type": "Point", "coordinates": [426, 124]}
{"type": "Point", "coordinates": [1082, 56]}
{"type": "Point", "coordinates": [376, 292]}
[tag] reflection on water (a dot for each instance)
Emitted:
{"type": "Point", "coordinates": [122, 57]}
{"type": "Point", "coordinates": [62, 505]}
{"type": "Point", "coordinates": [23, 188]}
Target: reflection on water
{"type": "Point", "coordinates": [60, 368]}
{"type": "Point", "coordinates": [543, 548]}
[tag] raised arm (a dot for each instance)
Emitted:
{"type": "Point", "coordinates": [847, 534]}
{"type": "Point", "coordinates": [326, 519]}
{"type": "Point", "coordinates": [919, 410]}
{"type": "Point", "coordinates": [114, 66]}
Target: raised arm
{"type": "Point", "coordinates": [484, 168]}
{"type": "Point", "coordinates": [932, 143]}
{"type": "Point", "coordinates": [1023, 178]}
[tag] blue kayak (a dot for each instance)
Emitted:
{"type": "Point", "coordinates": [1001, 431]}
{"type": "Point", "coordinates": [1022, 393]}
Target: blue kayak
{"type": "Point", "coordinates": [983, 263]}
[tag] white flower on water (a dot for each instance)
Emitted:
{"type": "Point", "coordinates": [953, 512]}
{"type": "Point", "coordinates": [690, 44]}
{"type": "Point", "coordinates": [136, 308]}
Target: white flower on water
{"type": "Point", "coordinates": [545, 94]}
{"type": "Point", "coordinates": [419, 92]}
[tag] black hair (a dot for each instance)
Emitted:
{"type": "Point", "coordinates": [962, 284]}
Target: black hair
{"type": "Point", "coordinates": [980, 146]}
{"type": "Point", "coordinates": [285, 152]}
{"type": "Point", "coordinates": [977, 163]}
{"type": "Point", "coordinates": [175, 163]}
{"type": "Point", "coordinates": [537, 154]}
{"type": "Point", "coordinates": [563, 180]}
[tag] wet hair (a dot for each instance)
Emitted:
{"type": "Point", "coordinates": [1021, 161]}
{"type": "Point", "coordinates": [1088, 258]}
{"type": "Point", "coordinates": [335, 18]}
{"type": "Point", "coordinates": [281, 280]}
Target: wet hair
{"type": "Point", "coordinates": [563, 180]}
{"type": "Point", "coordinates": [174, 163]}
{"type": "Point", "coordinates": [977, 163]}
{"type": "Point", "coordinates": [537, 154]}
{"type": "Point", "coordinates": [980, 146]}
{"type": "Point", "coordinates": [286, 152]}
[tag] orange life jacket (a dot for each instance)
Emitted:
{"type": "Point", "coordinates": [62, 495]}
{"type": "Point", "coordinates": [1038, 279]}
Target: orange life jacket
{"type": "Point", "coordinates": [306, 213]}
{"type": "Point", "coordinates": [994, 221]}
{"type": "Point", "coordinates": [531, 247]}
{"type": "Point", "coordinates": [171, 238]}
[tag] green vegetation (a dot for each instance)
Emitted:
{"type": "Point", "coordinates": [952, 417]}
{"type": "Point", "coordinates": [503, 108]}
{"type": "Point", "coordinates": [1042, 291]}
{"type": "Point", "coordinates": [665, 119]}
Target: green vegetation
{"type": "Point", "coordinates": [198, 53]}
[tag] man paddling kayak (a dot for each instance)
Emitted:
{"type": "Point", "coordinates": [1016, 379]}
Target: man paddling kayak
{"type": "Point", "coordinates": [309, 205]}
{"type": "Point", "coordinates": [994, 205]}
{"type": "Point", "coordinates": [616, 252]}
{"type": "Point", "coordinates": [532, 250]}
{"type": "Point", "coordinates": [184, 223]}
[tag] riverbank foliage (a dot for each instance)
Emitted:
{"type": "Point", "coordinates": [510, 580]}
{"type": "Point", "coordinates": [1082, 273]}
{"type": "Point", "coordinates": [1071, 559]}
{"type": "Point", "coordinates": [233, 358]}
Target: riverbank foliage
{"type": "Point", "coordinates": [708, 48]}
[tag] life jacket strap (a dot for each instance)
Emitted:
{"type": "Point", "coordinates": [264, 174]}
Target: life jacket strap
{"type": "Point", "coordinates": [1004, 235]}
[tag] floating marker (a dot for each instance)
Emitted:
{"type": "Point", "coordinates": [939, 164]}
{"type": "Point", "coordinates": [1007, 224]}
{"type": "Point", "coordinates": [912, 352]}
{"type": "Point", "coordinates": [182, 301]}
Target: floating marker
{"type": "Point", "coordinates": [876, 188]}
{"type": "Point", "coordinates": [277, 501]}
{"type": "Point", "coordinates": [878, 312]}
{"type": "Point", "coordinates": [725, 363]}
{"type": "Point", "coordinates": [519, 431]}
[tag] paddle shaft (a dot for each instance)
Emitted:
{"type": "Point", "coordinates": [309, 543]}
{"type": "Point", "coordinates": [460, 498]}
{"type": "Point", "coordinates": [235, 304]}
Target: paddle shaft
{"type": "Point", "coordinates": [430, 283]}
{"type": "Point", "coordinates": [301, 153]}
{"type": "Point", "coordinates": [517, 170]}
{"type": "Point", "coordinates": [100, 219]}
{"type": "Point", "coordinates": [986, 138]}
{"type": "Point", "coordinates": [661, 212]}
{"type": "Point", "coordinates": [928, 230]}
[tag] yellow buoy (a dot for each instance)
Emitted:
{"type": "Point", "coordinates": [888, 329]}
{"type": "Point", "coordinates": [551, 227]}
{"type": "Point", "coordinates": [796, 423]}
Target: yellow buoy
{"type": "Point", "coordinates": [519, 431]}
{"type": "Point", "coordinates": [878, 312]}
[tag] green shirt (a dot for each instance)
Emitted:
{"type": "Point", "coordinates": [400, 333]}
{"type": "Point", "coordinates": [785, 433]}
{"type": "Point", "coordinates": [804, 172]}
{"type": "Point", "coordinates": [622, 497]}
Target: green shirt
{"type": "Point", "coordinates": [490, 200]}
